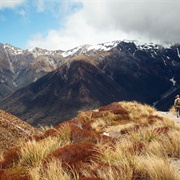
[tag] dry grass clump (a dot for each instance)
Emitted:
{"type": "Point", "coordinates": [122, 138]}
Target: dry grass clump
{"type": "Point", "coordinates": [139, 146]}
{"type": "Point", "coordinates": [137, 111]}
{"type": "Point", "coordinates": [52, 171]}
{"type": "Point", "coordinates": [78, 134]}
{"type": "Point", "coordinates": [171, 123]}
{"type": "Point", "coordinates": [75, 133]}
{"type": "Point", "coordinates": [172, 144]}
{"type": "Point", "coordinates": [34, 152]}
{"type": "Point", "coordinates": [29, 156]}
{"type": "Point", "coordinates": [84, 116]}
{"type": "Point", "coordinates": [1, 156]}
{"type": "Point", "coordinates": [14, 174]}
{"type": "Point", "coordinates": [90, 178]}
{"type": "Point", "coordinates": [153, 167]}
{"type": "Point", "coordinates": [10, 157]}
{"type": "Point", "coordinates": [120, 113]}
{"type": "Point", "coordinates": [107, 171]}
{"type": "Point", "coordinates": [73, 155]}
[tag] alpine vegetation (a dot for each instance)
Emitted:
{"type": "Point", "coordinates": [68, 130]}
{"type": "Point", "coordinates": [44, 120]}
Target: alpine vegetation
{"type": "Point", "coordinates": [123, 140]}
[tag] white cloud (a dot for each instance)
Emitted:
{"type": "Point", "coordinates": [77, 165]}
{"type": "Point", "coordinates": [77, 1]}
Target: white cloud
{"type": "Point", "coordinates": [10, 3]}
{"type": "Point", "coordinates": [102, 21]}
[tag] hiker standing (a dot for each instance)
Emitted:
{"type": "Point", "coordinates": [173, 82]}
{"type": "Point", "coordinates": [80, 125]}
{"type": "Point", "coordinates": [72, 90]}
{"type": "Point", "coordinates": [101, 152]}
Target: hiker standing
{"type": "Point", "coordinates": [177, 105]}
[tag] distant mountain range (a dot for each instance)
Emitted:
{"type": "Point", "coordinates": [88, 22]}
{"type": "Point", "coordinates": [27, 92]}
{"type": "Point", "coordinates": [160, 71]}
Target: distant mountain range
{"type": "Point", "coordinates": [22, 67]}
{"type": "Point", "coordinates": [47, 87]}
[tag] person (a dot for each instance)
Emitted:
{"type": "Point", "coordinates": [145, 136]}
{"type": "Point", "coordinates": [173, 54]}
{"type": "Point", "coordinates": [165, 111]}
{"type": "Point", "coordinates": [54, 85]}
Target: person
{"type": "Point", "coordinates": [177, 105]}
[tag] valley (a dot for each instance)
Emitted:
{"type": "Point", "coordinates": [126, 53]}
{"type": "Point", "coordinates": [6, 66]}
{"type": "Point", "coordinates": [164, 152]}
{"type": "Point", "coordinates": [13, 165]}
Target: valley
{"type": "Point", "coordinates": [45, 87]}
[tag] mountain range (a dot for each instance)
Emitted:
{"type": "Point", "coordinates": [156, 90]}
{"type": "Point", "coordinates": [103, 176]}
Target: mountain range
{"type": "Point", "coordinates": [46, 87]}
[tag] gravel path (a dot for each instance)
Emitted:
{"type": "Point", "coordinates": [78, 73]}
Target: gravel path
{"type": "Point", "coordinates": [170, 115]}
{"type": "Point", "coordinates": [173, 116]}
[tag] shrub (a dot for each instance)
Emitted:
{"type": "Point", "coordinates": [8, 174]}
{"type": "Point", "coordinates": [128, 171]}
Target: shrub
{"type": "Point", "coordinates": [51, 132]}
{"type": "Point", "coordinates": [78, 134]}
{"type": "Point", "coordinates": [73, 155]}
{"type": "Point", "coordinates": [35, 137]}
{"type": "Point", "coordinates": [11, 156]}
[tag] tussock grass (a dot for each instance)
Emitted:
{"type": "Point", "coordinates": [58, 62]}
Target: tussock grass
{"type": "Point", "coordinates": [10, 157]}
{"type": "Point", "coordinates": [172, 144]}
{"type": "Point", "coordinates": [139, 147]}
{"type": "Point", "coordinates": [53, 171]}
{"type": "Point", "coordinates": [171, 123]}
{"type": "Point", "coordinates": [44, 128]}
{"type": "Point", "coordinates": [34, 152]}
{"type": "Point", "coordinates": [62, 132]}
{"type": "Point", "coordinates": [108, 171]}
{"type": "Point", "coordinates": [137, 111]}
{"type": "Point", "coordinates": [73, 155]}
{"type": "Point", "coordinates": [154, 167]}
{"type": "Point", "coordinates": [84, 116]}
{"type": "Point", "coordinates": [1, 156]}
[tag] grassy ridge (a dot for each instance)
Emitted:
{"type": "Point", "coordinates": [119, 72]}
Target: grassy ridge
{"type": "Point", "coordinates": [138, 145]}
{"type": "Point", "coordinates": [12, 129]}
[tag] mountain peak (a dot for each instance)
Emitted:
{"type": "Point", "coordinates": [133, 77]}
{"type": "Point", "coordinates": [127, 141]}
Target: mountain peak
{"type": "Point", "coordinates": [39, 52]}
{"type": "Point", "coordinates": [14, 50]}
{"type": "Point", "coordinates": [86, 48]}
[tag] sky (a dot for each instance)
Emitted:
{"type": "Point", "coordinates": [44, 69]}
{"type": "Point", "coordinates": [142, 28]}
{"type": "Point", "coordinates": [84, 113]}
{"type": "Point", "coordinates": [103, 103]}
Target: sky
{"type": "Point", "coordinates": [65, 24]}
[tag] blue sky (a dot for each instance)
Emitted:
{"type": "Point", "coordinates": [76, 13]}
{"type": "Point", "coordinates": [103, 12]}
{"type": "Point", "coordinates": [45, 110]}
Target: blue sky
{"type": "Point", "coordinates": [64, 24]}
{"type": "Point", "coordinates": [23, 20]}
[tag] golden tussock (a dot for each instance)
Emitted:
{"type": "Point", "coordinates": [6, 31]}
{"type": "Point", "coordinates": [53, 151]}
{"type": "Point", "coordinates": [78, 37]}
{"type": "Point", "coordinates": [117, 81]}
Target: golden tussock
{"type": "Point", "coordinates": [123, 140]}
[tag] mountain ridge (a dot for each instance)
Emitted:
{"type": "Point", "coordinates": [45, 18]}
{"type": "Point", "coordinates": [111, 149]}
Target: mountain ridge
{"type": "Point", "coordinates": [88, 77]}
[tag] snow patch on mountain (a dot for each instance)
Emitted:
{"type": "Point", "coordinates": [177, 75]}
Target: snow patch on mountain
{"type": "Point", "coordinates": [104, 46]}
{"type": "Point", "coordinates": [178, 53]}
{"type": "Point", "coordinates": [173, 81]}
{"type": "Point", "coordinates": [148, 46]}
{"type": "Point", "coordinates": [40, 52]}
{"type": "Point", "coordinates": [14, 50]}
{"type": "Point", "coordinates": [86, 48]}
{"type": "Point", "coordinates": [77, 50]}
{"type": "Point", "coordinates": [8, 58]}
{"type": "Point", "coordinates": [173, 63]}
{"type": "Point", "coordinates": [164, 61]}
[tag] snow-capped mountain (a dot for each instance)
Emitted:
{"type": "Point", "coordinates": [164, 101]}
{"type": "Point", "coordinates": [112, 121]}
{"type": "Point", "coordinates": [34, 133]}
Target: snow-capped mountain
{"type": "Point", "coordinates": [86, 77]}
{"type": "Point", "coordinates": [22, 67]}
{"type": "Point", "coordinates": [85, 49]}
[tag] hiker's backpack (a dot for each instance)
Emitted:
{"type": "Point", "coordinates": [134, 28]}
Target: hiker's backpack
{"type": "Point", "coordinates": [178, 102]}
